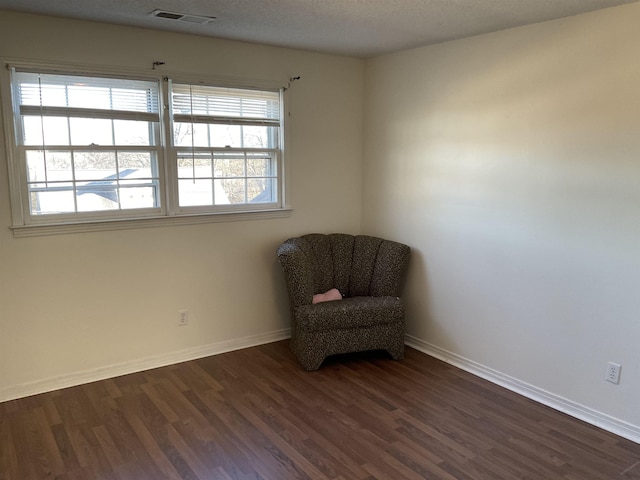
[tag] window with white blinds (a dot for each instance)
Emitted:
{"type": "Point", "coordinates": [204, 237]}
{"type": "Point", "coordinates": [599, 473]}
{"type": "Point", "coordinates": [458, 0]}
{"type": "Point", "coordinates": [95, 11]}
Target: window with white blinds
{"type": "Point", "coordinates": [90, 148]}
{"type": "Point", "coordinates": [227, 144]}
{"type": "Point", "coordinates": [87, 144]}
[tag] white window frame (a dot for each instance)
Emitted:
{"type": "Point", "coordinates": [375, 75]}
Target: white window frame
{"type": "Point", "coordinates": [169, 212]}
{"type": "Point", "coordinates": [274, 152]}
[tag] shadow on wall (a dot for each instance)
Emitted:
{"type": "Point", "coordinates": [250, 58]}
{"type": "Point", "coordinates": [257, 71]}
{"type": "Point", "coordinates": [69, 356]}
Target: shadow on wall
{"type": "Point", "coordinates": [420, 317]}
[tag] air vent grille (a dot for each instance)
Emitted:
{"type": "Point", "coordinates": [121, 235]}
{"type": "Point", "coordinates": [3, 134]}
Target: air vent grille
{"type": "Point", "coordinates": [182, 17]}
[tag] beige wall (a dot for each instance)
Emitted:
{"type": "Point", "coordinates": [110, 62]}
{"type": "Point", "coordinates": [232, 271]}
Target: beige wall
{"type": "Point", "coordinates": [511, 163]}
{"type": "Point", "coordinates": [76, 307]}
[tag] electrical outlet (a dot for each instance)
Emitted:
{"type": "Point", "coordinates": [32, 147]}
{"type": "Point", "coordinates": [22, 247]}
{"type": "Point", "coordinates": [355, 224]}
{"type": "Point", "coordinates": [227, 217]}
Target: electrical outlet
{"type": "Point", "coordinates": [183, 317]}
{"type": "Point", "coordinates": [613, 373]}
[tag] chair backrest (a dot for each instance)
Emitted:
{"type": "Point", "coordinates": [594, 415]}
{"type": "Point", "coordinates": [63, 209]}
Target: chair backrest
{"type": "Point", "coordinates": [357, 265]}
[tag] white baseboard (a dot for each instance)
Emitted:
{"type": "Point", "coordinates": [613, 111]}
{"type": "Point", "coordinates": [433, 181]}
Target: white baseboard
{"type": "Point", "coordinates": [593, 417]}
{"type": "Point", "coordinates": [86, 376]}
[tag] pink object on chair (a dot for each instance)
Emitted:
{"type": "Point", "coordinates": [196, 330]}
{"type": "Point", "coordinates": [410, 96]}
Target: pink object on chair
{"type": "Point", "coordinates": [331, 295]}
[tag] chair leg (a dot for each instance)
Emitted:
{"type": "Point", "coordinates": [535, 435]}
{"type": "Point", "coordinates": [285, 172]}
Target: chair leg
{"type": "Point", "coordinates": [308, 357]}
{"type": "Point", "coordinates": [397, 352]}
{"type": "Point", "coordinates": [311, 361]}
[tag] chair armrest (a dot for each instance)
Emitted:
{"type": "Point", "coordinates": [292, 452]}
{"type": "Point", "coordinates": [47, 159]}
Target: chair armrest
{"type": "Point", "coordinates": [297, 272]}
{"type": "Point", "coordinates": [388, 272]}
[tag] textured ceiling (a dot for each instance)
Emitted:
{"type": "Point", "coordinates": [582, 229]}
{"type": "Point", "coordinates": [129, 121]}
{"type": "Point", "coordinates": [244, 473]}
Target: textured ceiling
{"type": "Point", "coordinates": [360, 28]}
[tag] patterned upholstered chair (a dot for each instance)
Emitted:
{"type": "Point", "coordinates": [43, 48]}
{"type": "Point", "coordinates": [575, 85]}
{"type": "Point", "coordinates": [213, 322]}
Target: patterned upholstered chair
{"type": "Point", "coordinates": [367, 271]}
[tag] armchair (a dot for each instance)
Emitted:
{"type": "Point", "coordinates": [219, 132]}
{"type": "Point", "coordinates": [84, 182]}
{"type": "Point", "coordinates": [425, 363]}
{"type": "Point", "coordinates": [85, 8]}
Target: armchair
{"type": "Point", "coordinates": [367, 271]}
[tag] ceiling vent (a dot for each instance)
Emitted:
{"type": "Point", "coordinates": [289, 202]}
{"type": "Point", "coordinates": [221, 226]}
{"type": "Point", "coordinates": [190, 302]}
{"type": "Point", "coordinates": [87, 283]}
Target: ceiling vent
{"type": "Point", "coordinates": [182, 17]}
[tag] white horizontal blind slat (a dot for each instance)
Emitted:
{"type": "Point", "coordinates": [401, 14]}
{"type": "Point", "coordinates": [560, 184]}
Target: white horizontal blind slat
{"type": "Point", "coordinates": [70, 91]}
{"type": "Point", "coordinates": [88, 113]}
{"type": "Point", "coordinates": [199, 100]}
{"type": "Point", "coordinates": [225, 120]}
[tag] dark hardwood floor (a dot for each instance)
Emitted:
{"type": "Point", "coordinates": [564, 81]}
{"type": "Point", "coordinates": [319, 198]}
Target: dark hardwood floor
{"type": "Point", "coordinates": [255, 414]}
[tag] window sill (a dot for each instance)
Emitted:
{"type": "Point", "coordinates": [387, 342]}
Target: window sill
{"type": "Point", "coordinates": [151, 222]}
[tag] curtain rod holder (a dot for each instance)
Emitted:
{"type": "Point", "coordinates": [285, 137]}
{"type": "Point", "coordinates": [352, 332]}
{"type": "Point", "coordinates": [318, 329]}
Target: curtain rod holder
{"type": "Point", "coordinates": [291, 80]}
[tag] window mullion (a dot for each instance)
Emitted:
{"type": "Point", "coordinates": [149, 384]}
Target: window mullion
{"type": "Point", "coordinates": [171, 157]}
{"type": "Point", "coordinates": [74, 183]}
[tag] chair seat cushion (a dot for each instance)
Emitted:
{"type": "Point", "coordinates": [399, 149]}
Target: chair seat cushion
{"type": "Point", "coordinates": [352, 312]}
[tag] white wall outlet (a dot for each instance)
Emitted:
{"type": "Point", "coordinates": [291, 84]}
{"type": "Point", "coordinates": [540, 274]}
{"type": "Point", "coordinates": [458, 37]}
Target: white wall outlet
{"type": "Point", "coordinates": [183, 317]}
{"type": "Point", "coordinates": [613, 373]}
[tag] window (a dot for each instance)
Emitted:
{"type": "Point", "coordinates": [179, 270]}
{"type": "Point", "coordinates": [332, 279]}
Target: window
{"type": "Point", "coordinates": [227, 144]}
{"type": "Point", "coordinates": [91, 148]}
{"type": "Point", "coordinates": [87, 144]}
